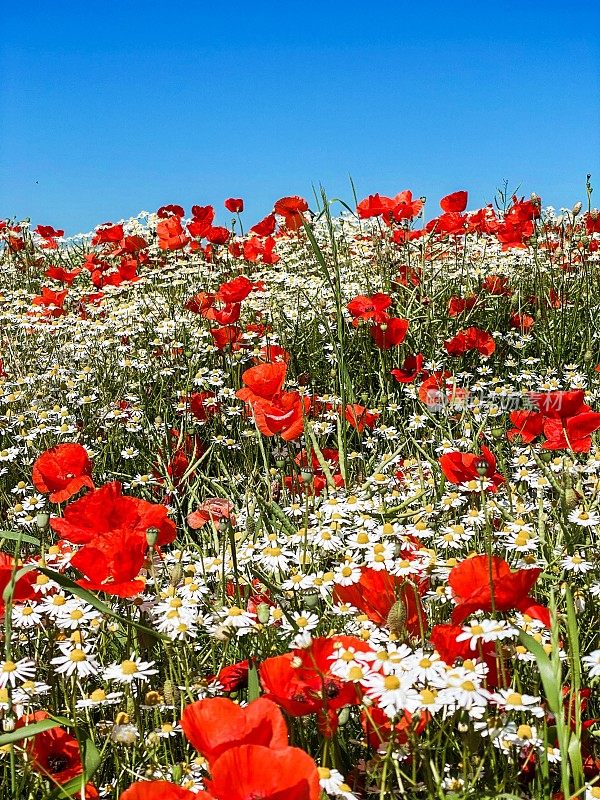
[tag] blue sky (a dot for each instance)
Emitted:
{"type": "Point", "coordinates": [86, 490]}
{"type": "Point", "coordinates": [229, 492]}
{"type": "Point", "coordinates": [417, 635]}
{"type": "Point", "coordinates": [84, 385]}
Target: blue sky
{"type": "Point", "coordinates": [110, 108]}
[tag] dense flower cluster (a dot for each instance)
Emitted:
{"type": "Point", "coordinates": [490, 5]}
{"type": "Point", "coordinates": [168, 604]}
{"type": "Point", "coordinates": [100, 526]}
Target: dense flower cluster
{"type": "Point", "coordinates": [306, 512]}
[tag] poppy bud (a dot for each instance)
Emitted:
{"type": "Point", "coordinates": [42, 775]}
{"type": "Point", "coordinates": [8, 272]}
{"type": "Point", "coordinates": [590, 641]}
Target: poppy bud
{"type": "Point", "coordinates": [396, 618]}
{"type": "Point", "coordinates": [576, 208]}
{"type": "Point", "coordinates": [176, 575]}
{"type": "Point", "coordinates": [152, 536]}
{"type": "Point", "coordinates": [263, 613]}
{"type": "Point", "coordinates": [9, 724]}
{"type": "Point", "coordinates": [579, 602]}
{"type": "Point", "coordinates": [546, 456]}
{"type": "Point", "coordinates": [497, 433]}
{"type": "Point", "coordinates": [482, 467]}
{"type": "Point", "coordinates": [570, 498]}
{"type": "Point", "coordinates": [42, 520]}
{"type": "Point", "coordinates": [588, 356]}
{"type": "Point", "coordinates": [311, 599]}
{"type": "Point", "coordinates": [343, 716]}
{"type": "Point", "coordinates": [306, 473]}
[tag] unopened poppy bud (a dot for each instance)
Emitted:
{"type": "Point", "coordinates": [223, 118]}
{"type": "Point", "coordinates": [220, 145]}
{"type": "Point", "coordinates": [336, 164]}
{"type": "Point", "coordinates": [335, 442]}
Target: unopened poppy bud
{"type": "Point", "coordinates": [177, 773]}
{"type": "Point", "coordinates": [579, 602]}
{"type": "Point", "coordinates": [497, 433]}
{"type": "Point", "coordinates": [396, 618]}
{"type": "Point", "coordinates": [176, 575]}
{"type": "Point", "coordinates": [576, 208]}
{"type": "Point", "coordinates": [570, 498]}
{"type": "Point", "coordinates": [482, 467]}
{"type": "Point", "coordinates": [588, 357]}
{"type": "Point", "coordinates": [546, 456]}
{"type": "Point", "coordinates": [263, 613]}
{"type": "Point", "coordinates": [311, 599]}
{"type": "Point", "coordinates": [343, 716]}
{"type": "Point", "coordinates": [306, 473]}
{"type": "Point", "coordinates": [9, 724]}
{"type": "Point", "coordinates": [42, 519]}
{"type": "Point", "coordinates": [152, 536]}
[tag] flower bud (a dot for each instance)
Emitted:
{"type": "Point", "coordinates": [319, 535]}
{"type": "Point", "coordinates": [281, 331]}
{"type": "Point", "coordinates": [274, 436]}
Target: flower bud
{"type": "Point", "coordinates": [396, 618]}
{"type": "Point", "coordinates": [42, 519]}
{"type": "Point", "coordinates": [343, 716]}
{"type": "Point", "coordinates": [263, 613]}
{"type": "Point", "coordinates": [152, 536]}
{"type": "Point", "coordinates": [576, 208]}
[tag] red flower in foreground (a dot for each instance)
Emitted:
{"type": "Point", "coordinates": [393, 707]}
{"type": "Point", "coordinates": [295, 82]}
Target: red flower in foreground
{"type": "Point", "coordinates": [160, 790]}
{"type": "Point", "coordinates": [107, 511]}
{"type": "Point", "coordinates": [291, 209]}
{"type": "Point", "coordinates": [54, 753]}
{"type": "Point", "coordinates": [485, 583]}
{"type": "Point", "coordinates": [564, 419]}
{"type": "Point", "coordinates": [252, 771]}
{"type": "Point", "coordinates": [460, 468]}
{"type": "Point", "coordinates": [216, 724]}
{"type": "Point", "coordinates": [377, 591]}
{"type": "Point", "coordinates": [62, 471]}
{"type": "Point", "coordinates": [301, 682]}
{"type": "Point", "coordinates": [443, 638]}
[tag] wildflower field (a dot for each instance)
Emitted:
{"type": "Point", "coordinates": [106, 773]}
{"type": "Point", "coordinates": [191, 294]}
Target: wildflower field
{"type": "Point", "coordinates": [302, 508]}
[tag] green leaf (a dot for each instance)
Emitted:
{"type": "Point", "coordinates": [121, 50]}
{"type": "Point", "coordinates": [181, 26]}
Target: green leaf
{"type": "Point", "coordinates": [89, 597]}
{"type": "Point", "coordinates": [253, 683]}
{"type": "Point", "coordinates": [552, 687]}
{"type": "Point", "coordinates": [17, 535]}
{"type": "Point", "coordinates": [28, 730]}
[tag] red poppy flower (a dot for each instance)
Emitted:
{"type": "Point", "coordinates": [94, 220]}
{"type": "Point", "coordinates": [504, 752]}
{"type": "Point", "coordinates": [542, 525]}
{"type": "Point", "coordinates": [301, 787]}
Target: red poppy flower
{"type": "Point", "coordinates": [265, 227]}
{"type": "Point", "coordinates": [288, 773]}
{"type": "Point", "coordinates": [61, 274]}
{"type": "Point", "coordinates": [405, 207]}
{"type": "Point", "coordinates": [374, 206]}
{"type": "Point", "coordinates": [284, 415]}
{"type": "Point", "coordinates": [359, 417]}
{"type": "Point", "coordinates": [487, 583]}
{"type": "Point", "coordinates": [379, 728]}
{"type": "Point", "coordinates": [301, 682]}
{"type": "Point", "coordinates": [233, 676]}
{"type": "Point", "coordinates": [107, 511]}
{"type": "Point", "coordinates": [112, 564]}
{"type": "Point", "coordinates": [390, 333]}
{"type": "Point", "coordinates": [234, 204]}
{"type": "Point", "coordinates": [260, 250]}
{"type": "Point", "coordinates": [48, 232]}
{"type": "Point", "coordinates": [369, 307]}
{"type": "Point", "coordinates": [573, 433]}
{"type": "Point", "coordinates": [265, 381]}
{"type": "Point", "coordinates": [217, 235]}
{"type": "Point", "coordinates": [23, 589]}
{"type": "Point", "coordinates": [164, 212]}
{"type": "Point", "coordinates": [107, 233]}
{"type": "Point", "coordinates": [214, 509]}
{"type": "Point", "coordinates": [216, 724]}
{"type": "Point", "coordinates": [291, 209]}
{"type": "Point", "coordinates": [457, 201]}
{"type": "Point", "coordinates": [237, 290]}
{"type": "Point", "coordinates": [443, 638]}
{"type": "Point", "coordinates": [522, 322]}
{"type": "Point", "coordinates": [62, 471]}
{"type": "Point", "coordinates": [471, 339]}
{"type": "Point", "coordinates": [53, 753]}
{"type": "Point", "coordinates": [497, 285]}
{"type": "Point", "coordinates": [49, 297]}
{"type": "Point", "coordinates": [200, 408]}
{"type": "Point", "coordinates": [161, 790]}
{"type": "Point", "coordinates": [170, 234]}
{"type": "Point", "coordinates": [226, 315]}
{"type": "Point", "coordinates": [376, 592]}
{"type": "Point", "coordinates": [462, 468]}
{"type": "Point", "coordinates": [410, 369]}
{"type": "Point", "coordinates": [457, 305]}
{"type": "Point", "coordinates": [228, 334]}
